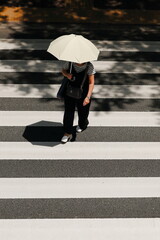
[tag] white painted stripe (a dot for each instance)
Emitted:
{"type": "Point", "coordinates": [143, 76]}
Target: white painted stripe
{"type": "Point", "coordinates": [128, 46]}
{"type": "Point", "coordinates": [99, 91]}
{"type": "Point", "coordinates": [71, 229]}
{"type": "Point", "coordinates": [79, 187]}
{"type": "Point", "coordinates": [30, 44]}
{"type": "Point", "coordinates": [127, 67]}
{"type": "Point", "coordinates": [96, 118]}
{"type": "Point", "coordinates": [126, 91]}
{"type": "Point", "coordinates": [72, 150]}
{"type": "Point", "coordinates": [100, 66]}
{"type": "Point", "coordinates": [102, 45]}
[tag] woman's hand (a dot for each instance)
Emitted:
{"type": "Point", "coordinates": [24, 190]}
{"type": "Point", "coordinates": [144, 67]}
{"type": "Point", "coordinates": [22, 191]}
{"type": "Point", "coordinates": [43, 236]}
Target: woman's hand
{"type": "Point", "coordinates": [69, 76]}
{"type": "Point", "coordinates": [66, 74]}
{"type": "Point", "coordinates": [86, 101]}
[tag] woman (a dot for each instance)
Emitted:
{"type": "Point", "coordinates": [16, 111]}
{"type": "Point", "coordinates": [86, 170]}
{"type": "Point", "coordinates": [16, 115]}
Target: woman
{"type": "Point", "coordinates": [83, 104]}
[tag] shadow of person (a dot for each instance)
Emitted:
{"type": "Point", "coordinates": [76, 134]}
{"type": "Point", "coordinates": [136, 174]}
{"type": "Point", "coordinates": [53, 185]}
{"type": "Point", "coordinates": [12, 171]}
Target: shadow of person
{"type": "Point", "coordinates": [44, 133]}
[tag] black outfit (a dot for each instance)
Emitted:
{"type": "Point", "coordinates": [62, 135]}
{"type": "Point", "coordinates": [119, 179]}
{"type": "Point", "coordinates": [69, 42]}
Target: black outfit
{"type": "Point", "coordinates": [71, 104]}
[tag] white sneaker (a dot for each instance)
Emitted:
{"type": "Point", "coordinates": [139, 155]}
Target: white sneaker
{"type": "Point", "coordinates": [66, 138]}
{"type": "Point", "coordinates": [78, 129]}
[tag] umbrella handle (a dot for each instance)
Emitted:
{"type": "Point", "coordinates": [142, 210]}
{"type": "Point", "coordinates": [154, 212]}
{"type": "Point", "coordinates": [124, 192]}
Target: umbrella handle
{"type": "Point", "coordinates": [70, 68]}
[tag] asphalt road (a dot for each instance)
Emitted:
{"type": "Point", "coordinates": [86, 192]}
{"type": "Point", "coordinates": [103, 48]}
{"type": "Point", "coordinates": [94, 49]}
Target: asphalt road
{"type": "Point", "coordinates": [90, 162]}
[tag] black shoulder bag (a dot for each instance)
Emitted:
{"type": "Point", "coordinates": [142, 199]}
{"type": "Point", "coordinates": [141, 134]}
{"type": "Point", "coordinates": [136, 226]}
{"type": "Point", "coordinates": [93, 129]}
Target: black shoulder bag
{"type": "Point", "coordinates": [62, 90]}
{"type": "Point", "coordinates": [76, 92]}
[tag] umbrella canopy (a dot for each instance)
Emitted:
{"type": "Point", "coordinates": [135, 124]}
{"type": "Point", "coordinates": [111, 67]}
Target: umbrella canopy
{"type": "Point", "coordinates": [73, 48]}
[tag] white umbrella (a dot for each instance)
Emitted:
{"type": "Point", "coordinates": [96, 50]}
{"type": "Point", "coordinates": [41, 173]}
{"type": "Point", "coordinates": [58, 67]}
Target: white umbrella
{"type": "Point", "coordinates": [73, 48]}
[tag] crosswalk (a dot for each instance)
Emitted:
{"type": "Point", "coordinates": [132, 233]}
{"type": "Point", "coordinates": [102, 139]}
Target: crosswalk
{"type": "Point", "coordinates": [105, 184]}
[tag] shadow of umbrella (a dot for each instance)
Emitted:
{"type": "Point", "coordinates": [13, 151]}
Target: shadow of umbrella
{"type": "Point", "coordinates": [44, 133]}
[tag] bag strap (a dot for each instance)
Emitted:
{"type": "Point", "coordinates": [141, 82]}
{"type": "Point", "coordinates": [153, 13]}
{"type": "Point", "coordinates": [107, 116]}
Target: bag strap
{"type": "Point", "coordinates": [85, 75]}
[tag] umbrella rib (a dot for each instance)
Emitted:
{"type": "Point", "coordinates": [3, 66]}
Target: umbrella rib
{"type": "Point", "coordinates": [66, 46]}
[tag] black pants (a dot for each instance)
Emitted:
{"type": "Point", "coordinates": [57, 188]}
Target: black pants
{"type": "Point", "coordinates": [83, 112]}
